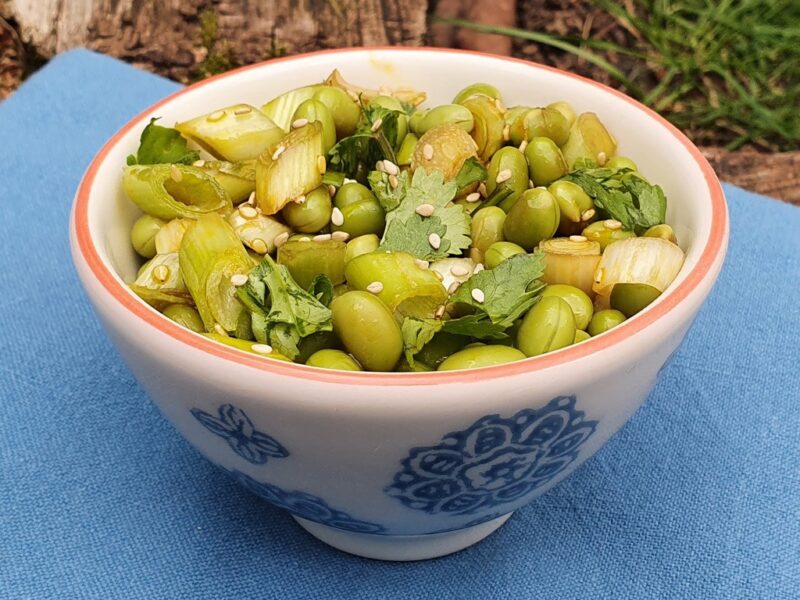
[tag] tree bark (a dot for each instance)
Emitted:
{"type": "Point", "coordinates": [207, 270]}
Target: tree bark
{"type": "Point", "coordinates": [167, 36]}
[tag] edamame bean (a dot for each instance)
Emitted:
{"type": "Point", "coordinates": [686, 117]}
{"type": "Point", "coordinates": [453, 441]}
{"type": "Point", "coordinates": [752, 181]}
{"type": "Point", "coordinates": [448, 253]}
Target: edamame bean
{"type": "Point", "coordinates": [406, 152]}
{"type": "Point", "coordinates": [477, 89]}
{"type": "Point", "coordinates": [311, 216]}
{"type": "Point", "coordinates": [508, 160]}
{"type": "Point", "coordinates": [545, 161]}
{"type": "Point", "coordinates": [540, 122]}
{"type": "Point", "coordinates": [513, 113]}
{"type": "Point", "coordinates": [368, 330]}
{"type": "Point", "coordinates": [361, 211]}
{"type": "Point", "coordinates": [621, 162]}
{"type": "Point", "coordinates": [333, 359]}
{"type": "Point", "coordinates": [363, 244]}
{"type": "Point", "coordinates": [321, 340]}
{"type": "Point", "coordinates": [600, 232]}
{"type": "Point", "coordinates": [588, 139]}
{"type": "Point", "coordinates": [533, 218]}
{"type": "Point", "coordinates": [573, 203]}
{"type": "Point", "coordinates": [565, 108]}
{"type": "Point", "coordinates": [452, 114]}
{"type": "Point", "coordinates": [630, 298]}
{"type": "Point", "coordinates": [346, 113]}
{"type": "Point", "coordinates": [488, 125]}
{"type": "Point", "coordinates": [314, 110]}
{"type": "Point", "coordinates": [581, 336]}
{"type": "Point", "coordinates": [186, 316]}
{"type": "Point", "coordinates": [444, 148]}
{"type": "Point", "coordinates": [548, 326]}
{"type": "Point", "coordinates": [481, 356]}
{"type": "Point", "coordinates": [603, 320]}
{"type": "Point", "coordinates": [499, 251]}
{"type": "Point", "coordinates": [394, 104]}
{"type": "Point", "coordinates": [487, 227]}
{"type": "Point", "coordinates": [578, 301]}
{"type": "Point", "coordinates": [663, 231]}
{"type": "Point", "coordinates": [143, 235]}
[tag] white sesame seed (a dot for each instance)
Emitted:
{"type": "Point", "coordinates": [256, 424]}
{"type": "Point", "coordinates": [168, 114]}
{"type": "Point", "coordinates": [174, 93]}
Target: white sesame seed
{"type": "Point", "coordinates": [242, 111]}
{"type": "Point", "coordinates": [478, 268]}
{"type": "Point", "coordinates": [477, 295]}
{"type": "Point", "coordinates": [161, 273]}
{"type": "Point", "coordinates": [305, 238]}
{"type": "Point", "coordinates": [587, 214]}
{"type": "Point", "coordinates": [340, 236]}
{"type": "Point", "coordinates": [422, 264]}
{"type": "Point", "coordinates": [393, 181]}
{"type": "Point", "coordinates": [427, 152]}
{"type": "Point", "coordinates": [577, 238]}
{"type": "Point", "coordinates": [453, 287]}
{"type": "Point", "coordinates": [376, 125]}
{"type": "Point", "coordinates": [220, 330]}
{"type": "Point", "coordinates": [459, 271]}
{"type": "Point", "coordinates": [261, 348]}
{"type": "Point", "coordinates": [348, 180]}
{"type": "Point", "coordinates": [199, 163]}
{"type": "Point", "coordinates": [523, 145]}
{"type": "Point", "coordinates": [216, 116]}
{"type": "Point", "coordinates": [252, 198]}
{"type": "Point", "coordinates": [438, 275]}
{"type": "Point", "coordinates": [278, 151]}
{"type": "Point", "coordinates": [439, 312]}
{"type": "Point", "coordinates": [259, 246]}
{"type": "Point", "coordinates": [300, 199]}
{"type": "Point", "coordinates": [482, 190]}
{"type": "Point", "coordinates": [435, 241]}
{"type": "Point", "coordinates": [530, 183]}
{"type": "Point", "coordinates": [281, 239]}
{"type": "Point", "coordinates": [331, 190]}
{"type": "Point", "coordinates": [425, 210]}
{"type": "Point", "coordinates": [473, 197]}
{"type": "Point", "coordinates": [379, 166]}
{"type": "Point", "coordinates": [612, 224]}
{"type": "Point", "coordinates": [601, 158]}
{"type": "Point", "coordinates": [390, 167]}
{"type": "Point", "coordinates": [503, 175]}
{"type": "Point", "coordinates": [298, 123]}
{"type": "Point", "coordinates": [506, 133]}
{"type": "Point", "coordinates": [376, 287]}
{"type": "Point", "coordinates": [175, 173]}
{"type": "Point", "coordinates": [337, 217]}
{"type": "Point", "coordinates": [322, 237]}
{"type": "Point", "coordinates": [247, 211]}
{"type": "Point", "coordinates": [239, 279]}
{"type": "Point", "coordinates": [321, 164]}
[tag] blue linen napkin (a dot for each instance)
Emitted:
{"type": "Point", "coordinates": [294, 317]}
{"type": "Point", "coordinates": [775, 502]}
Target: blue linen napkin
{"type": "Point", "coordinates": [697, 497]}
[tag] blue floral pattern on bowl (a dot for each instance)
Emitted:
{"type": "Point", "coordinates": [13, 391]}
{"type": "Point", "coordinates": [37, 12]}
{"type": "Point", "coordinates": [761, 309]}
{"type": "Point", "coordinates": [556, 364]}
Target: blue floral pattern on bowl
{"type": "Point", "coordinates": [236, 428]}
{"type": "Point", "coordinates": [306, 506]}
{"type": "Point", "coordinates": [494, 462]}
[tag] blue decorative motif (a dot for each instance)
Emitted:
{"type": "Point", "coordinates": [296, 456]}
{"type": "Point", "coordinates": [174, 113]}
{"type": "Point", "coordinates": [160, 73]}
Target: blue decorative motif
{"type": "Point", "coordinates": [306, 506]}
{"type": "Point", "coordinates": [494, 462]}
{"type": "Point", "coordinates": [236, 428]}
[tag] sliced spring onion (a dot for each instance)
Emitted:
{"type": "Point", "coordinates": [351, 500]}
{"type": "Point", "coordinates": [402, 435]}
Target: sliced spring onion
{"type": "Point", "coordinates": [407, 95]}
{"type": "Point", "coordinates": [256, 230]}
{"type": "Point", "coordinates": [248, 346]}
{"type": "Point", "coordinates": [453, 270]}
{"type": "Point", "coordinates": [281, 109]}
{"type": "Point", "coordinates": [307, 260]}
{"type": "Point", "coordinates": [652, 261]}
{"type": "Point", "coordinates": [159, 282]}
{"type": "Point", "coordinates": [238, 179]}
{"type": "Point", "coordinates": [168, 239]}
{"type": "Point", "coordinates": [570, 262]}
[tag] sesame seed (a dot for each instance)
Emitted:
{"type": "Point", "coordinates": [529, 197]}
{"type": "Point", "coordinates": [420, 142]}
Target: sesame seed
{"type": "Point", "coordinates": [459, 271]}
{"type": "Point", "coordinates": [425, 210]}
{"type": "Point", "coordinates": [337, 218]}
{"type": "Point", "coordinates": [612, 224]}
{"type": "Point", "coordinates": [161, 273]}
{"type": "Point", "coordinates": [427, 152]}
{"type": "Point", "coordinates": [478, 268]}
{"type": "Point", "coordinates": [601, 158]}
{"type": "Point", "coordinates": [376, 125]}
{"type": "Point", "coordinates": [238, 280]}
{"type": "Point", "coordinates": [453, 287]}
{"type": "Point", "coordinates": [393, 181]}
{"type": "Point", "coordinates": [379, 166]}
{"type": "Point", "coordinates": [477, 295]}
{"type": "Point", "coordinates": [506, 133]}
{"type": "Point", "coordinates": [247, 211]}
{"type": "Point", "coordinates": [175, 173]}
{"type": "Point", "coordinates": [348, 180]}
{"type": "Point", "coordinates": [261, 348]}
{"type": "Point", "coordinates": [298, 123]}
{"type": "Point", "coordinates": [482, 190]}
{"type": "Point", "coordinates": [331, 190]}
{"type": "Point", "coordinates": [300, 199]}
{"type": "Point", "coordinates": [376, 287]}
{"type": "Point", "coordinates": [321, 164]}
{"type": "Point", "coordinates": [390, 167]}
{"type": "Point", "coordinates": [422, 264]}
{"type": "Point", "coordinates": [322, 237]}
{"type": "Point", "coordinates": [435, 241]}
{"type": "Point", "coordinates": [199, 163]}
{"type": "Point", "coordinates": [530, 183]}
{"type": "Point", "coordinates": [220, 330]}
{"type": "Point", "coordinates": [577, 238]}
{"type": "Point", "coordinates": [259, 246]}
{"type": "Point", "coordinates": [278, 151]}
{"type": "Point", "coordinates": [242, 111]}
{"type": "Point", "coordinates": [281, 239]}
{"type": "Point", "coordinates": [439, 312]}
{"type": "Point", "coordinates": [438, 275]}
{"type": "Point", "coordinates": [523, 145]}
{"type": "Point", "coordinates": [503, 175]}
{"type": "Point", "coordinates": [215, 116]}
{"type": "Point", "coordinates": [252, 198]}
{"type": "Point", "coordinates": [587, 214]}
{"type": "Point", "coordinates": [340, 236]}
{"type": "Point", "coordinates": [473, 197]}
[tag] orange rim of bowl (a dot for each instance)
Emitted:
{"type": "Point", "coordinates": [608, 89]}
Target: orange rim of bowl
{"type": "Point", "coordinates": [136, 306]}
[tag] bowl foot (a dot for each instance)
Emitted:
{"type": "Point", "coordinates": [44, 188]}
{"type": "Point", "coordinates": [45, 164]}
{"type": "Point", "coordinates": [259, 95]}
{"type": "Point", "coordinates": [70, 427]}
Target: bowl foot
{"type": "Point", "coordinates": [401, 547]}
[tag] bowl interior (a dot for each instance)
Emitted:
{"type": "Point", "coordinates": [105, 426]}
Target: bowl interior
{"type": "Point", "coordinates": [662, 156]}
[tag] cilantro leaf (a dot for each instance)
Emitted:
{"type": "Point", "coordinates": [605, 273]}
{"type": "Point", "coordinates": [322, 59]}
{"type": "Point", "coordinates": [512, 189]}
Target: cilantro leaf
{"type": "Point", "coordinates": [162, 145]}
{"type": "Point", "coordinates": [478, 326]}
{"type": "Point", "coordinates": [651, 201]}
{"type": "Point", "coordinates": [287, 313]}
{"type": "Point", "coordinates": [322, 289]}
{"type": "Point", "coordinates": [509, 290]}
{"type": "Point", "coordinates": [388, 196]}
{"type": "Point", "coordinates": [413, 236]}
{"type": "Point", "coordinates": [472, 171]}
{"type": "Point", "coordinates": [417, 333]}
{"type": "Point", "coordinates": [365, 147]}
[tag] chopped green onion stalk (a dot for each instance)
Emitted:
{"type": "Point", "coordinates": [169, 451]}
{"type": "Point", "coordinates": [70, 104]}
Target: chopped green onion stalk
{"type": "Point", "coordinates": [257, 232]}
{"type": "Point", "coordinates": [307, 260]}
{"type": "Point", "coordinates": [159, 282]}
{"type": "Point", "coordinates": [652, 261]}
{"type": "Point", "coordinates": [169, 237]}
{"type": "Point", "coordinates": [570, 262]}
{"type": "Point", "coordinates": [248, 346]}
{"type": "Point", "coordinates": [238, 179]}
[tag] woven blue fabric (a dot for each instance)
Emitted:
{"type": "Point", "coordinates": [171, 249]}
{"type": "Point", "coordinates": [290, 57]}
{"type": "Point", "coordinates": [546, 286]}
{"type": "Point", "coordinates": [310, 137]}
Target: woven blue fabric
{"type": "Point", "coordinates": [697, 497]}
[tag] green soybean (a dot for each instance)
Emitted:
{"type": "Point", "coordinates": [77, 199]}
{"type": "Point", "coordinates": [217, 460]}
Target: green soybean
{"type": "Point", "coordinates": [477, 89]}
{"type": "Point", "coordinates": [540, 122]}
{"type": "Point", "coordinates": [572, 201]}
{"type": "Point", "coordinates": [508, 160]}
{"type": "Point", "coordinates": [565, 108]}
{"type": "Point", "coordinates": [406, 152]}
{"type": "Point", "coordinates": [581, 336]}
{"type": "Point", "coordinates": [630, 298]}
{"type": "Point", "coordinates": [621, 162]}
{"type": "Point", "coordinates": [487, 227]}
{"type": "Point", "coordinates": [333, 359]}
{"type": "Point", "coordinates": [481, 356]}
{"type": "Point", "coordinates": [545, 161]}
{"type": "Point", "coordinates": [363, 244]}
{"type": "Point", "coordinates": [533, 218]}
{"type": "Point", "coordinates": [394, 104]}
{"type": "Point", "coordinates": [454, 114]}
{"type": "Point", "coordinates": [663, 231]}
{"type": "Point", "coordinates": [548, 326]}
{"type": "Point", "coordinates": [346, 113]}
{"type": "Point", "coordinates": [311, 216]}
{"type": "Point", "coordinates": [368, 330]}
{"type": "Point", "coordinates": [361, 211]}
{"type": "Point", "coordinates": [601, 233]}
{"type": "Point", "coordinates": [186, 316]}
{"type": "Point", "coordinates": [500, 251]}
{"type": "Point", "coordinates": [603, 320]}
{"type": "Point", "coordinates": [314, 110]}
{"type": "Point", "coordinates": [143, 235]}
{"type": "Point", "coordinates": [578, 301]}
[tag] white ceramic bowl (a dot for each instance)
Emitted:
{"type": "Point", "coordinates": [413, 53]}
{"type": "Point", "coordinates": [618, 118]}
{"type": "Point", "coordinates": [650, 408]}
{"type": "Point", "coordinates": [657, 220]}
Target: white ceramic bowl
{"type": "Point", "coordinates": [402, 466]}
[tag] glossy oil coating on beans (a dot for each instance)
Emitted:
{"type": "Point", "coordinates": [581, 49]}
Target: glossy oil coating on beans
{"type": "Point", "coordinates": [363, 227]}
